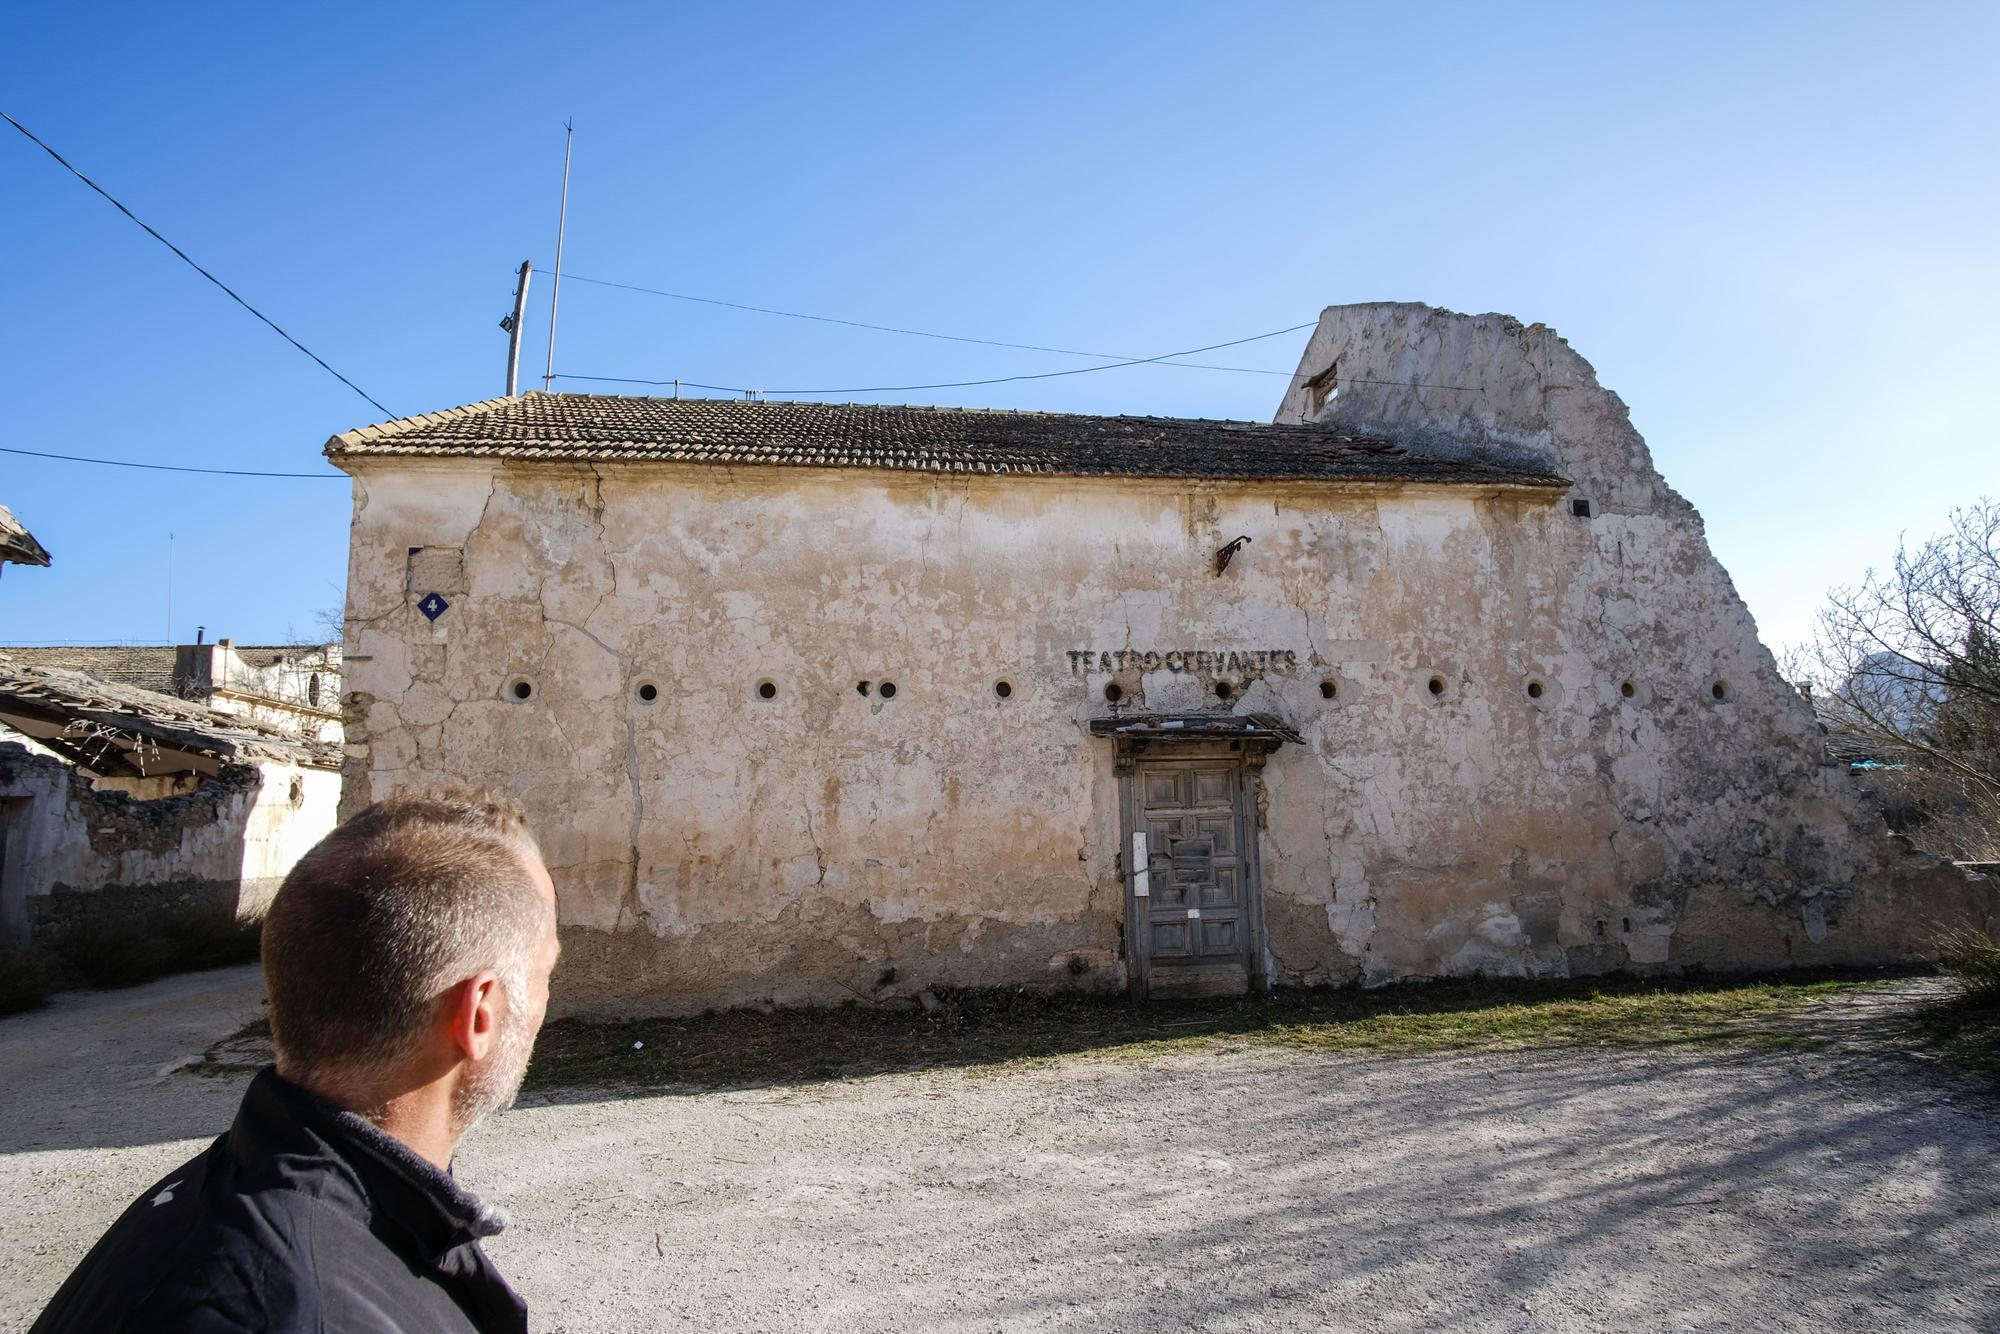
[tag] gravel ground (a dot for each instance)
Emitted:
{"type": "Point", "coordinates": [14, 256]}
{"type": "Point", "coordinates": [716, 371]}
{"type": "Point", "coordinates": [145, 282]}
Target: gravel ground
{"type": "Point", "coordinates": [1849, 1189]}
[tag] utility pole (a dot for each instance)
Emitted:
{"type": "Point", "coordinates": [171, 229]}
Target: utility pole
{"type": "Point", "coordinates": [555, 283]}
{"type": "Point", "coordinates": [512, 324]}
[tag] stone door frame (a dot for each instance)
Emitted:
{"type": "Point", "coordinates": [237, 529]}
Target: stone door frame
{"type": "Point", "coordinates": [1248, 756]}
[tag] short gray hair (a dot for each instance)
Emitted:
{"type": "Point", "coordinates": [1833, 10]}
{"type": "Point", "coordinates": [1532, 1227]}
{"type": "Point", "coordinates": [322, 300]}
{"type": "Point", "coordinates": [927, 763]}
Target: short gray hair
{"type": "Point", "coordinates": [410, 896]}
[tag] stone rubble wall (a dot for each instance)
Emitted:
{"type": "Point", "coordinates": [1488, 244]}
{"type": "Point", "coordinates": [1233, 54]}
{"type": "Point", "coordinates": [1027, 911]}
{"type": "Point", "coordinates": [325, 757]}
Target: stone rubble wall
{"type": "Point", "coordinates": [76, 854]}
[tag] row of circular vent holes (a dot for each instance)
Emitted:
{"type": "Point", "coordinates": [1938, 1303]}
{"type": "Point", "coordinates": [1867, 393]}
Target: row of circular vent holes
{"type": "Point", "coordinates": [520, 689]}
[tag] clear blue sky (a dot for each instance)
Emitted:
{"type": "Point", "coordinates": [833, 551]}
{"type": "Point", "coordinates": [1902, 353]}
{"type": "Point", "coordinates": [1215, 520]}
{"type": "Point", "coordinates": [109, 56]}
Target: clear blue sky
{"type": "Point", "coordinates": [1771, 228]}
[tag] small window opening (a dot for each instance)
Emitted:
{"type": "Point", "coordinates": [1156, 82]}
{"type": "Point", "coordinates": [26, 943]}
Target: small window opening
{"type": "Point", "coordinates": [519, 689]}
{"type": "Point", "coordinates": [1324, 386]}
{"type": "Point", "coordinates": [1580, 508]}
{"type": "Point", "coordinates": [767, 690]}
{"type": "Point", "coordinates": [1436, 686]}
{"type": "Point", "coordinates": [312, 690]}
{"type": "Point", "coordinates": [1628, 925]}
{"type": "Point", "coordinates": [1113, 693]}
{"type": "Point", "coordinates": [887, 690]}
{"type": "Point", "coordinates": [1224, 690]}
{"type": "Point", "coordinates": [1328, 689]}
{"type": "Point", "coordinates": [1628, 689]}
{"type": "Point", "coordinates": [1720, 690]}
{"type": "Point", "coordinates": [1534, 690]}
{"type": "Point", "coordinates": [648, 692]}
{"type": "Point", "coordinates": [1003, 689]}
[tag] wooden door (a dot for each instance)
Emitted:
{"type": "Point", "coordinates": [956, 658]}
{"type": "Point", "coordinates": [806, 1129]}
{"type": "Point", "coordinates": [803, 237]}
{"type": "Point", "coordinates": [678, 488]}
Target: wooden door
{"type": "Point", "coordinates": [1195, 914]}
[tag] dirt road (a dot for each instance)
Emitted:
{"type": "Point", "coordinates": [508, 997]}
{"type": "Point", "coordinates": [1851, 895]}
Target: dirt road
{"type": "Point", "coordinates": [1219, 1190]}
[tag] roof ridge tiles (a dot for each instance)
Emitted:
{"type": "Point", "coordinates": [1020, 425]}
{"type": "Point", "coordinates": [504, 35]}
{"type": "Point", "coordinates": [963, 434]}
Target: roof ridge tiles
{"type": "Point", "coordinates": [557, 427]}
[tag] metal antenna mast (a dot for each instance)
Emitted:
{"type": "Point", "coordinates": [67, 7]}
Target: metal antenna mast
{"type": "Point", "coordinates": [555, 282]}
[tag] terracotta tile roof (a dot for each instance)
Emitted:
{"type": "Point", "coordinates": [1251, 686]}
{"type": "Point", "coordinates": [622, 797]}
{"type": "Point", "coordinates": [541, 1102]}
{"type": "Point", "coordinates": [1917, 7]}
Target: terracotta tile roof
{"type": "Point", "coordinates": [150, 666]}
{"type": "Point", "coordinates": [738, 432]}
{"type": "Point", "coordinates": [147, 667]}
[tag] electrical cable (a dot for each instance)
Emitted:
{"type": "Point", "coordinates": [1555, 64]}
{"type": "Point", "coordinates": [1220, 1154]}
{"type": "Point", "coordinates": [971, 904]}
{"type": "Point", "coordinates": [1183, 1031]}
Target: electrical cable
{"type": "Point", "coordinates": [32, 138]}
{"type": "Point", "coordinates": [955, 384]}
{"type": "Point", "coordinates": [890, 328]}
{"type": "Point", "coordinates": [173, 467]}
{"type": "Point", "coordinates": [1118, 358]}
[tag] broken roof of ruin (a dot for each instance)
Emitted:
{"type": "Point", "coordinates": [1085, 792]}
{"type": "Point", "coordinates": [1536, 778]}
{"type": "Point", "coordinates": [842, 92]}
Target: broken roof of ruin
{"type": "Point", "coordinates": [17, 544]}
{"type": "Point", "coordinates": [117, 729]}
{"type": "Point", "coordinates": [737, 432]}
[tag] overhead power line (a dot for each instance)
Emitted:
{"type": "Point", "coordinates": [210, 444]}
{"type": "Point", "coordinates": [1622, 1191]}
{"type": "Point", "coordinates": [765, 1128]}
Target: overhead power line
{"type": "Point", "coordinates": [227, 290]}
{"type": "Point", "coordinates": [952, 384]}
{"type": "Point", "coordinates": [173, 467]}
{"type": "Point", "coordinates": [913, 333]}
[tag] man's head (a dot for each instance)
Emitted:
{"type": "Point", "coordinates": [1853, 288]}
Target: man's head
{"type": "Point", "coordinates": [412, 948]}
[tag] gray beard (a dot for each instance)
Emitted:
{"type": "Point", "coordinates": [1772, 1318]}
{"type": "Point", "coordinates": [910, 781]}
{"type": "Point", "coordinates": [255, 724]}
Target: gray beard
{"type": "Point", "coordinates": [492, 1085]}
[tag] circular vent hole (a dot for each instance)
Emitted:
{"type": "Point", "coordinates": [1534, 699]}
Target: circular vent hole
{"type": "Point", "coordinates": [1003, 689]}
{"type": "Point", "coordinates": [1436, 686]}
{"type": "Point", "coordinates": [1328, 689]}
{"type": "Point", "coordinates": [518, 690]}
{"type": "Point", "coordinates": [1720, 690]}
{"type": "Point", "coordinates": [1113, 693]}
{"type": "Point", "coordinates": [648, 692]}
{"type": "Point", "coordinates": [1534, 690]}
{"type": "Point", "coordinates": [887, 690]}
{"type": "Point", "coordinates": [767, 690]}
{"type": "Point", "coordinates": [1224, 690]}
{"type": "Point", "coordinates": [1628, 689]}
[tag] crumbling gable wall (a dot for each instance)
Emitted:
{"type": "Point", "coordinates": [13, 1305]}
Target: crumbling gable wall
{"type": "Point", "coordinates": [1677, 807]}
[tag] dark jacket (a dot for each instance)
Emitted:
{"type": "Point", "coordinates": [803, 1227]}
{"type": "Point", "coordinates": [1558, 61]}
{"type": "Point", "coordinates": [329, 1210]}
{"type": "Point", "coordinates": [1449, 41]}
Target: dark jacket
{"type": "Point", "coordinates": [301, 1217]}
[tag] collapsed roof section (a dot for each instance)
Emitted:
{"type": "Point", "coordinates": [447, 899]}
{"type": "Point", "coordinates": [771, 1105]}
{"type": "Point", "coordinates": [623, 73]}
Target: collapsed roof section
{"type": "Point", "coordinates": [17, 545]}
{"type": "Point", "coordinates": [125, 732]}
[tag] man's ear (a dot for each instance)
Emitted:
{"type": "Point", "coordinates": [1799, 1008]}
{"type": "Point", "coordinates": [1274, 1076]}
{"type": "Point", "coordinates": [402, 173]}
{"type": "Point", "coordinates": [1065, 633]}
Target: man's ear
{"type": "Point", "coordinates": [473, 1012]}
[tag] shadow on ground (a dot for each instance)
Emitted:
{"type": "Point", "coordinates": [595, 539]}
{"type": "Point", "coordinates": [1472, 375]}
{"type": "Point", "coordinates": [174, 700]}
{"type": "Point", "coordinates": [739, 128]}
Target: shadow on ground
{"type": "Point", "coordinates": [970, 1029]}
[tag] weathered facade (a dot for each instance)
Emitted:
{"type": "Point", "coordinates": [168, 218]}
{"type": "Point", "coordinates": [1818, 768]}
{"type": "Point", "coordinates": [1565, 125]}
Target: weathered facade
{"type": "Point", "coordinates": [815, 702]}
{"type": "Point", "coordinates": [124, 811]}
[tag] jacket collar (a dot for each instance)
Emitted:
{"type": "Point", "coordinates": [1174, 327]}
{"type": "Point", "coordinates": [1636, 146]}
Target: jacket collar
{"type": "Point", "coordinates": [287, 1131]}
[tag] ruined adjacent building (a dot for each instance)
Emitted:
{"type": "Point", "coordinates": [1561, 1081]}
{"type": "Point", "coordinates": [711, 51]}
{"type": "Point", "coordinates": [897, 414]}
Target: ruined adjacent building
{"type": "Point", "coordinates": [1433, 675]}
{"type": "Point", "coordinates": [17, 545]}
{"type": "Point", "coordinates": [124, 811]}
{"type": "Point", "coordinates": [292, 687]}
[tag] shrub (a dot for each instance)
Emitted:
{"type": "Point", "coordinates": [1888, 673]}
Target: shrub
{"type": "Point", "coordinates": [1972, 957]}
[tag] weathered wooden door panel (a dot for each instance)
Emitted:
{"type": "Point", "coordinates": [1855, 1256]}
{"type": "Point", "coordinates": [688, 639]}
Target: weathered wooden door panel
{"type": "Point", "coordinates": [1195, 918]}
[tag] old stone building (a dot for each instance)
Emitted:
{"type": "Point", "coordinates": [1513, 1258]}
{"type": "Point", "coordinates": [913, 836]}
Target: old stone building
{"type": "Point", "coordinates": [293, 687]}
{"type": "Point", "coordinates": [810, 702]}
{"type": "Point", "coordinates": [128, 812]}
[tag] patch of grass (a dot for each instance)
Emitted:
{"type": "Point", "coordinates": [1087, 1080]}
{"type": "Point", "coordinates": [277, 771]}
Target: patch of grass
{"type": "Point", "coordinates": [987, 1028]}
{"type": "Point", "coordinates": [24, 982]}
{"type": "Point", "coordinates": [1964, 1032]}
{"type": "Point", "coordinates": [108, 953]}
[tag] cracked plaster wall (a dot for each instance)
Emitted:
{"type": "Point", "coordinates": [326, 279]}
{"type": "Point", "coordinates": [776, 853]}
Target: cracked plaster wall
{"type": "Point", "coordinates": [716, 848]}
